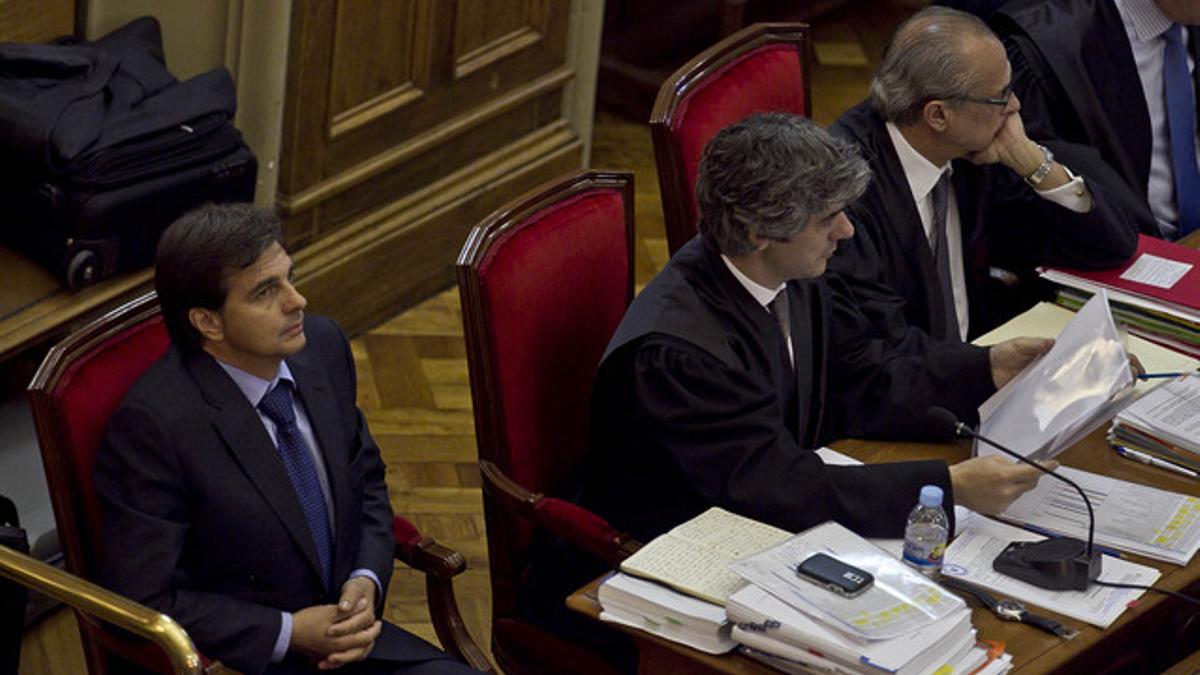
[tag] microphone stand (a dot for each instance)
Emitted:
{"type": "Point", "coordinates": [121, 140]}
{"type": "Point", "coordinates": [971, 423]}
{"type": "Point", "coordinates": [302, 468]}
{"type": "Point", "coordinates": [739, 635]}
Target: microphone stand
{"type": "Point", "coordinates": [1057, 563]}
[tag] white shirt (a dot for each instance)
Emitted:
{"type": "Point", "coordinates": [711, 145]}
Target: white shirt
{"type": "Point", "coordinates": [761, 294]}
{"type": "Point", "coordinates": [922, 176]}
{"type": "Point", "coordinates": [1145, 24]}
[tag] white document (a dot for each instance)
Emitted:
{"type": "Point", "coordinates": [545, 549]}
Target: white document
{"type": "Point", "coordinates": [1155, 523]}
{"type": "Point", "coordinates": [669, 614]}
{"type": "Point", "coordinates": [1156, 271]}
{"type": "Point", "coordinates": [1048, 320]}
{"type": "Point", "coordinates": [1170, 412]}
{"type": "Point", "coordinates": [900, 601]}
{"type": "Point", "coordinates": [1118, 295]}
{"type": "Point", "coordinates": [694, 556]}
{"type": "Point", "coordinates": [758, 614]}
{"type": "Point", "coordinates": [1079, 384]}
{"type": "Point", "coordinates": [970, 558]}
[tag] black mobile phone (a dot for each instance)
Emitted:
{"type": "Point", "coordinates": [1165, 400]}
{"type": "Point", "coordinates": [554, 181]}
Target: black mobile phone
{"type": "Point", "coordinates": [839, 577]}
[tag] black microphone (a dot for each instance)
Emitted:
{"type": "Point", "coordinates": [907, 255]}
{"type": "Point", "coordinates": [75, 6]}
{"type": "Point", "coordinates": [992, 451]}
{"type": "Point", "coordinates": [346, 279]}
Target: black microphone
{"type": "Point", "coordinates": [1057, 563]}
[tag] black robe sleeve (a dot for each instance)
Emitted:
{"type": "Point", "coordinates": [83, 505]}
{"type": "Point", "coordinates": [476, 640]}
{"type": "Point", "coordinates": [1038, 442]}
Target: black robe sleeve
{"type": "Point", "coordinates": [723, 429]}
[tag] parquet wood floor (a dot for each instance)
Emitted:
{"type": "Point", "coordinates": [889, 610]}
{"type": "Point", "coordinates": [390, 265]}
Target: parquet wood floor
{"type": "Point", "coordinates": [412, 369]}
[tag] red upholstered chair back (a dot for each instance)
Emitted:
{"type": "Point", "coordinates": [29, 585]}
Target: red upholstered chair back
{"type": "Point", "coordinates": [761, 68]}
{"type": "Point", "coordinates": [544, 282]}
{"type": "Point", "coordinates": [73, 393]}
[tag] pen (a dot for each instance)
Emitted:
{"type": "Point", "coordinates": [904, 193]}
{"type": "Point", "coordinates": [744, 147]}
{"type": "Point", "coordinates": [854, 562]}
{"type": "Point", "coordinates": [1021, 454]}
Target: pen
{"type": "Point", "coordinates": [1054, 535]}
{"type": "Point", "coordinates": [1130, 453]}
{"type": "Point", "coordinates": [1155, 376]}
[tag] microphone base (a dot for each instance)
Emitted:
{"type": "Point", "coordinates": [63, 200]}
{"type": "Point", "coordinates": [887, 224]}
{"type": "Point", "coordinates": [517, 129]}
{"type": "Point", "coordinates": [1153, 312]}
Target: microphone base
{"type": "Point", "coordinates": [1057, 564]}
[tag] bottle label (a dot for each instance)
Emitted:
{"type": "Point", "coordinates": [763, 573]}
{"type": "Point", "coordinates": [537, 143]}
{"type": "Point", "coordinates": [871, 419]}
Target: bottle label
{"type": "Point", "coordinates": [920, 556]}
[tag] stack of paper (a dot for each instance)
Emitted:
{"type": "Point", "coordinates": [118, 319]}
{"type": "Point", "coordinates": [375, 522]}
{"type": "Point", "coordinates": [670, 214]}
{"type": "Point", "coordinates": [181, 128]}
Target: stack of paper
{"type": "Point", "coordinates": [1164, 423]}
{"type": "Point", "coordinates": [899, 602]}
{"type": "Point", "coordinates": [1156, 295]}
{"type": "Point", "coordinates": [904, 623]}
{"type": "Point", "coordinates": [676, 585]}
{"type": "Point", "coordinates": [1155, 523]}
{"type": "Point", "coordinates": [694, 557]}
{"type": "Point", "coordinates": [981, 539]}
{"type": "Point", "coordinates": [767, 624]}
{"type": "Point", "coordinates": [666, 613]}
{"type": "Point", "coordinates": [1079, 384]}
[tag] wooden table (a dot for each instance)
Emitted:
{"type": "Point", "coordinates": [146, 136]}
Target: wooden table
{"type": "Point", "coordinates": [36, 308]}
{"type": "Point", "coordinates": [1138, 638]}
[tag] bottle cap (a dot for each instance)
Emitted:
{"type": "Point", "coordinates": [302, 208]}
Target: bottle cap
{"type": "Point", "coordinates": [931, 495]}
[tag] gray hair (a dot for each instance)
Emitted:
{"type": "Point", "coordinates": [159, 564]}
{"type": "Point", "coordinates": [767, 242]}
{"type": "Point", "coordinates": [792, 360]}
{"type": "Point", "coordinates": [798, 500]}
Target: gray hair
{"type": "Point", "coordinates": [774, 171]}
{"type": "Point", "coordinates": [924, 61]}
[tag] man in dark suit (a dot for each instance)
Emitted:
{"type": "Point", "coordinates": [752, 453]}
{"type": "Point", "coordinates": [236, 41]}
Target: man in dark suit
{"type": "Point", "coordinates": [958, 188]}
{"type": "Point", "coordinates": [713, 390]}
{"type": "Point", "coordinates": [1108, 73]}
{"type": "Point", "coordinates": [241, 491]}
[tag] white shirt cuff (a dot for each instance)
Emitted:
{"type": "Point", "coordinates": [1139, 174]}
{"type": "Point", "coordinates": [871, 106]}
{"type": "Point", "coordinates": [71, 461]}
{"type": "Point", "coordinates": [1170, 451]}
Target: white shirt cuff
{"type": "Point", "coordinates": [364, 572]}
{"type": "Point", "coordinates": [1073, 194]}
{"type": "Point", "coordinates": [285, 638]}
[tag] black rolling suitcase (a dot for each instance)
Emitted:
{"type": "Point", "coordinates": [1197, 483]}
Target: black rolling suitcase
{"type": "Point", "coordinates": [101, 148]}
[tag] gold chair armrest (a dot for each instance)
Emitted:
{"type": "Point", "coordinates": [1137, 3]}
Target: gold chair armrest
{"type": "Point", "coordinates": [106, 605]}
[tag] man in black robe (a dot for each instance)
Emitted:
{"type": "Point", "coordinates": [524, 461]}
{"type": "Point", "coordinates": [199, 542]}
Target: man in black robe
{"type": "Point", "coordinates": [958, 187]}
{"type": "Point", "coordinates": [1094, 72]}
{"type": "Point", "coordinates": [714, 389]}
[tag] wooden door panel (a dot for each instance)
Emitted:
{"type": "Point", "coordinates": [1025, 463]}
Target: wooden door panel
{"type": "Point", "coordinates": [503, 27]}
{"type": "Point", "coordinates": [436, 72]}
{"type": "Point", "coordinates": [387, 99]}
{"type": "Point", "coordinates": [379, 61]}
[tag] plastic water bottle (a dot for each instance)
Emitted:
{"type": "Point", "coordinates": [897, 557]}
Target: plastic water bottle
{"type": "Point", "coordinates": [927, 532]}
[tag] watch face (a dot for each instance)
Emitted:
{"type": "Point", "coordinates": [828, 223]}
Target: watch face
{"type": "Point", "coordinates": [1010, 610]}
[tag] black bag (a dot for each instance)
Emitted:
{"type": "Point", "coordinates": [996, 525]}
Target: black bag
{"type": "Point", "coordinates": [101, 148]}
{"type": "Point", "coordinates": [13, 596]}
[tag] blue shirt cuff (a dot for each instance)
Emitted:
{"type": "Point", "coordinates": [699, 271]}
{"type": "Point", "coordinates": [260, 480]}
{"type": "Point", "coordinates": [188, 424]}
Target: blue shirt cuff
{"type": "Point", "coordinates": [364, 572]}
{"type": "Point", "coordinates": [285, 638]}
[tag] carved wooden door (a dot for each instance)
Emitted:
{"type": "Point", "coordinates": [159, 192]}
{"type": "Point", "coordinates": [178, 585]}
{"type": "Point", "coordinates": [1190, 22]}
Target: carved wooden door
{"type": "Point", "coordinates": [405, 122]}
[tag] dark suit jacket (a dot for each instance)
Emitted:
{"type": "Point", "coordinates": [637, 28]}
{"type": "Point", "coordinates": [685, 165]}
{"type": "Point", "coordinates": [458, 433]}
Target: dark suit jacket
{"type": "Point", "coordinates": [690, 410]}
{"type": "Point", "coordinates": [884, 277]}
{"type": "Point", "coordinates": [200, 519]}
{"type": "Point", "coordinates": [1074, 71]}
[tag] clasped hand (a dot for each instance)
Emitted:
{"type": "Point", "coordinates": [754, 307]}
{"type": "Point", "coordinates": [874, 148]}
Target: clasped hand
{"type": "Point", "coordinates": [334, 635]}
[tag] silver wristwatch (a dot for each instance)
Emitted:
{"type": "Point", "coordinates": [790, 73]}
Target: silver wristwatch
{"type": "Point", "coordinates": [1039, 174]}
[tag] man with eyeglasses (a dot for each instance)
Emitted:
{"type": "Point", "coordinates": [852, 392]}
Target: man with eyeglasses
{"type": "Point", "coordinates": [958, 187]}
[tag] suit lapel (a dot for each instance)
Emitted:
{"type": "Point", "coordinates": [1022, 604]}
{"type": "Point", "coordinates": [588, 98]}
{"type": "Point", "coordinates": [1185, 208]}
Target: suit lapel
{"type": "Point", "coordinates": [321, 406]}
{"type": "Point", "coordinates": [247, 440]}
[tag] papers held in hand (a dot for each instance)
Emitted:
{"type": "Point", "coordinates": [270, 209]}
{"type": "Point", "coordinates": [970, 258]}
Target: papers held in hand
{"type": "Point", "coordinates": [1081, 382]}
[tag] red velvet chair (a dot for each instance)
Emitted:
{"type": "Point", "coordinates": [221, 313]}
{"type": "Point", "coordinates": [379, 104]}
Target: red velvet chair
{"type": "Point", "coordinates": [79, 383]}
{"type": "Point", "coordinates": [544, 281]}
{"type": "Point", "coordinates": [765, 67]}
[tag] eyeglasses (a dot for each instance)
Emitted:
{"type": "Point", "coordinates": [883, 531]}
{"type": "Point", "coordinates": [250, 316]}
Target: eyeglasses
{"type": "Point", "coordinates": [1000, 101]}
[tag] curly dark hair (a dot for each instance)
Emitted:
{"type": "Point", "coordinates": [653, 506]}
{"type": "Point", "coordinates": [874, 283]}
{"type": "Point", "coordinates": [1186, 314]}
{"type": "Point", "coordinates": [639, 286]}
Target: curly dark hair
{"type": "Point", "coordinates": [774, 171]}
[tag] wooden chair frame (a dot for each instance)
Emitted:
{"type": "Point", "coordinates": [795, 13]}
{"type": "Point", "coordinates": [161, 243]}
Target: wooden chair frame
{"type": "Point", "coordinates": [672, 177]}
{"type": "Point", "coordinates": [439, 563]}
{"type": "Point", "coordinates": [504, 495]}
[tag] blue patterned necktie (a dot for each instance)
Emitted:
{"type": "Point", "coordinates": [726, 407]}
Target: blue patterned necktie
{"type": "Point", "coordinates": [1181, 126]}
{"type": "Point", "coordinates": [277, 405]}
